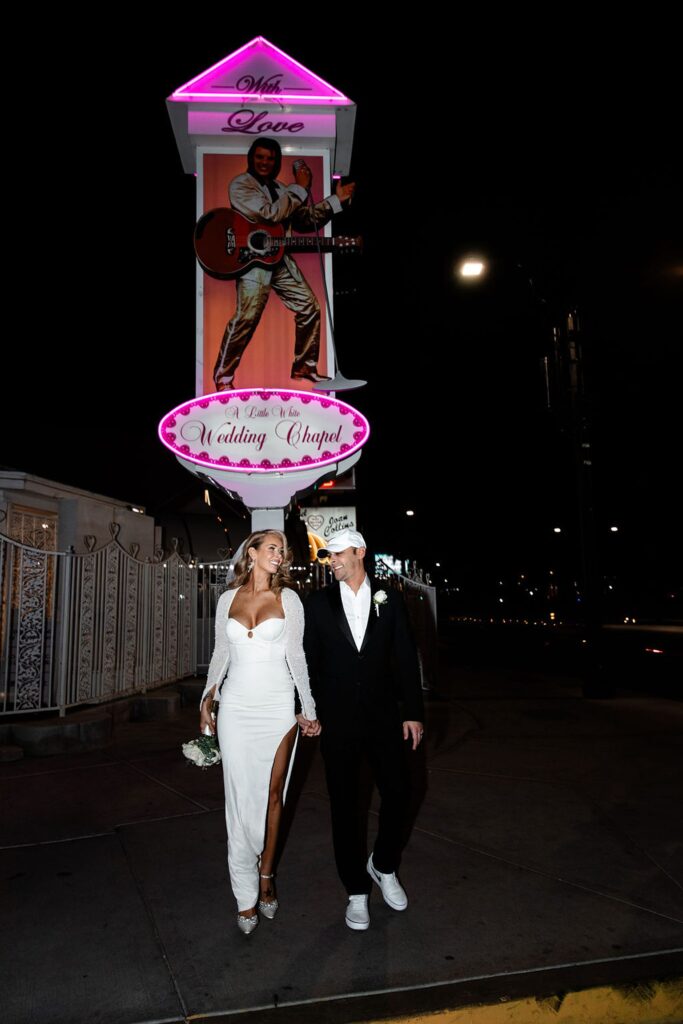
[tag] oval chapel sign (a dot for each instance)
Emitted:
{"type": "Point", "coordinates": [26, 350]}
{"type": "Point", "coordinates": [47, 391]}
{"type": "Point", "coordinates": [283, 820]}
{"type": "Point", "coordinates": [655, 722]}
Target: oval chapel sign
{"type": "Point", "coordinates": [264, 431]}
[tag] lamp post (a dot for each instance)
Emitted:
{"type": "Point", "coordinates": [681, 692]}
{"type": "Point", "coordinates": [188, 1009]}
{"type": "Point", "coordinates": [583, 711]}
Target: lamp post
{"type": "Point", "coordinates": [566, 398]}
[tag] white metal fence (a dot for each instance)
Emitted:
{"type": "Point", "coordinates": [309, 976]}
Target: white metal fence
{"type": "Point", "coordinates": [77, 629]}
{"type": "Point", "coordinates": [81, 629]}
{"type": "Point", "coordinates": [213, 579]}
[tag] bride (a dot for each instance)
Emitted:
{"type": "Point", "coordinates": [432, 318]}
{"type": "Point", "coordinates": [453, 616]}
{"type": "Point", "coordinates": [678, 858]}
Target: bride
{"type": "Point", "coordinates": [257, 662]}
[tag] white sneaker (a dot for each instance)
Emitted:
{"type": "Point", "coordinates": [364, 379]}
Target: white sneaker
{"type": "Point", "coordinates": [393, 892]}
{"type": "Point", "coordinates": [357, 917]}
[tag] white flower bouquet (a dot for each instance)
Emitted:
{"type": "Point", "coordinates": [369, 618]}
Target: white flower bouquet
{"type": "Point", "coordinates": [203, 751]}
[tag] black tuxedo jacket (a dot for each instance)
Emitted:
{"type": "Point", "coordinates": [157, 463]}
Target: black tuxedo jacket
{"type": "Point", "coordinates": [377, 686]}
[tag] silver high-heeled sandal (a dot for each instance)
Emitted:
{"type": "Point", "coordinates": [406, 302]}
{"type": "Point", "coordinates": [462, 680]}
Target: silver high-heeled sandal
{"type": "Point", "coordinates": [268, 909]}
{"type": "Point", "coordinates": [247, 924]}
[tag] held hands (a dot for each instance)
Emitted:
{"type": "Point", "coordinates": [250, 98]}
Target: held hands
{"type": "Point", "coordinates": [309, 727]}
{"type": "Point", "coordinates": [414, 731]}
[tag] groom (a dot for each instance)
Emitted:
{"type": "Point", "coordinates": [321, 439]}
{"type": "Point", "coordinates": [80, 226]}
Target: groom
{"type": "Point", "coordinates": [366, 682]}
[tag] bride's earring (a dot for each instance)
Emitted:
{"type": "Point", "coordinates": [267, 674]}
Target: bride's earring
{"type": "Point", "coordinates": [250, 567]}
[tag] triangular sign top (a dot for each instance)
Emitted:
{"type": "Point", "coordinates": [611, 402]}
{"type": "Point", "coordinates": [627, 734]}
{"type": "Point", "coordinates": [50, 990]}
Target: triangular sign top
{"type": "Point", "coordinates": [259, 71]}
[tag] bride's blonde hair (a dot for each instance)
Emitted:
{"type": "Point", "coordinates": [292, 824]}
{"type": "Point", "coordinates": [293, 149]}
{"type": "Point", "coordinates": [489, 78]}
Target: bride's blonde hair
{"type": "Point", "coordinates": [242, 567]}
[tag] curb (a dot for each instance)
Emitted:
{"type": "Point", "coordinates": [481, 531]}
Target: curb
{"type": "Point", "coordinates": [634, 991]}
{"type": "Point", "coordinates": [659, 1002]}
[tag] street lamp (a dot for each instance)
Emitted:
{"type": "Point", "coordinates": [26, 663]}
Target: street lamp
{"type": "Point", "coordinates": [472, 267]}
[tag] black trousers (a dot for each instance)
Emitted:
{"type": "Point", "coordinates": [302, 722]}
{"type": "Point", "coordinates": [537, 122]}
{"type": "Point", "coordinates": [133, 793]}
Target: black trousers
{"type": "Point", "coordinates": [344, 758]}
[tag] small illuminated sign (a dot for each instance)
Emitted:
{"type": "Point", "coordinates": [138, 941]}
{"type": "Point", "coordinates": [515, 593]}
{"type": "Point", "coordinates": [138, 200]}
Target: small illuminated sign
{"type": "Point", "coordinates": [326, 520]}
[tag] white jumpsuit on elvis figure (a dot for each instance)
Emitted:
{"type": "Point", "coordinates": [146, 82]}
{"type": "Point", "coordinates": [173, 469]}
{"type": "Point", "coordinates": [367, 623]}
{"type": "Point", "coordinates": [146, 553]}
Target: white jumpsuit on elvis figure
{"type": "Point", "coordinates": [255, 672]}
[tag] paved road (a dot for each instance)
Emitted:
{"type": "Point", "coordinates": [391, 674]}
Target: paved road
{"type": "Point", "coordinates": [546, 852]}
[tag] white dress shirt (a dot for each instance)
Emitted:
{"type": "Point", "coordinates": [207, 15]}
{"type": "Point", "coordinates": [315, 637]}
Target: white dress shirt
{"type": "Point", "coordinates": [357, 608]}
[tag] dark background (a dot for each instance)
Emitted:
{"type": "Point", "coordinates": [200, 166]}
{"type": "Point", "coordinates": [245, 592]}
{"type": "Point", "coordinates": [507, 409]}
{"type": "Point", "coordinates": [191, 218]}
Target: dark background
{"type": "Point", "coordinates": [552, 151]}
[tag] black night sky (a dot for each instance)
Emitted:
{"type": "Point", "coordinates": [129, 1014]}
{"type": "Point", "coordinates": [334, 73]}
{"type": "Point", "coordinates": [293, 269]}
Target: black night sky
{"type": "Point", "coordinates": [554, 156]}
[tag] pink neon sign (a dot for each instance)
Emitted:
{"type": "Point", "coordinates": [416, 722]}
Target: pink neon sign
{"type": "Point", "coordinates": [259, 72]}
{"type": "Point", "coordinates": [264, 431]}
{"type": "Point", "coordinates": [246, 121]}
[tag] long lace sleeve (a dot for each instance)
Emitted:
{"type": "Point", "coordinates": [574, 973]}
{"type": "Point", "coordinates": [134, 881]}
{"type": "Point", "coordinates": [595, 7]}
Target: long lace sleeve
{"type": "Point", "coordinates": [296, 659]}
{"type": "Point", "coordinates": [220, 656]}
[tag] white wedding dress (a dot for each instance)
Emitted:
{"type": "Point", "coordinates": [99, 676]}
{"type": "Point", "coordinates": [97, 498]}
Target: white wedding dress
{"type": "Point", "coordinates": [258, 669]}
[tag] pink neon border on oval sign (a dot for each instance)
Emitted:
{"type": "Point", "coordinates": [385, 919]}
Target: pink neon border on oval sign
{"type": "Point", "coordinates": [245, 465]}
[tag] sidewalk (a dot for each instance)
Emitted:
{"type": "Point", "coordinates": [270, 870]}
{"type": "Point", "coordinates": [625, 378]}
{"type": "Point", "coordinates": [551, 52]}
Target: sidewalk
{"type": "Point", "coordinates": [546, 856]}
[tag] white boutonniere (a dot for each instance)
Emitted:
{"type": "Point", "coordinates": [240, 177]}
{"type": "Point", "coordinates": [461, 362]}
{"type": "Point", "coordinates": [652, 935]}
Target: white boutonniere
{"type": "Point", "coordinates": [378, 598]}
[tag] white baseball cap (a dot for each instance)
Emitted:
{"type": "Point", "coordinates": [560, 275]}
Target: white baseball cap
{"type": "Point", "coordinates": [341, 541]}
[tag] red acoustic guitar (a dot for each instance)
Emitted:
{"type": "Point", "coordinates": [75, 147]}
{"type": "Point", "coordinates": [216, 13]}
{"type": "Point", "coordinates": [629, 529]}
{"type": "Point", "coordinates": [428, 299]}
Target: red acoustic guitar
{"type": "Point", "coordinates": [227, 244]}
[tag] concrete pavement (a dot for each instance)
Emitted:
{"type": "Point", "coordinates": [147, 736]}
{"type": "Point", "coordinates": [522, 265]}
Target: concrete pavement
{"type": "Point", "coordinates": [546, 855]}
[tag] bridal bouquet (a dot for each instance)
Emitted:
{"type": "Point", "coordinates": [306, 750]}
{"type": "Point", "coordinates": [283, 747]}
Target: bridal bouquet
{"type": "Point", "coordinates": [203, 751]}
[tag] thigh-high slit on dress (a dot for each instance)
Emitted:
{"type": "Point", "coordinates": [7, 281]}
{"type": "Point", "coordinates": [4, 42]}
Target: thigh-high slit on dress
{"type": "Point", "coordinates": [258, 669]}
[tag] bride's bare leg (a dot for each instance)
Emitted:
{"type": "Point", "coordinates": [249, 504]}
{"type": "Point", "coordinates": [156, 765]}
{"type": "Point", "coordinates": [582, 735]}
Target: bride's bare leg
{"type": "Point", "coordinates": [277, 785]}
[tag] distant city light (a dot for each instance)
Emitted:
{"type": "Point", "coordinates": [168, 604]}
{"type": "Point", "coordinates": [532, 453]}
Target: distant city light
{"type": "Point", "coordinates": [437, 564]}
{"type": "Point", "coordinates": [614, 529]}
{"type": "Point", "coordinates": [409, 512]}
{"type": "Point", "coordinates": [557, 529]}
